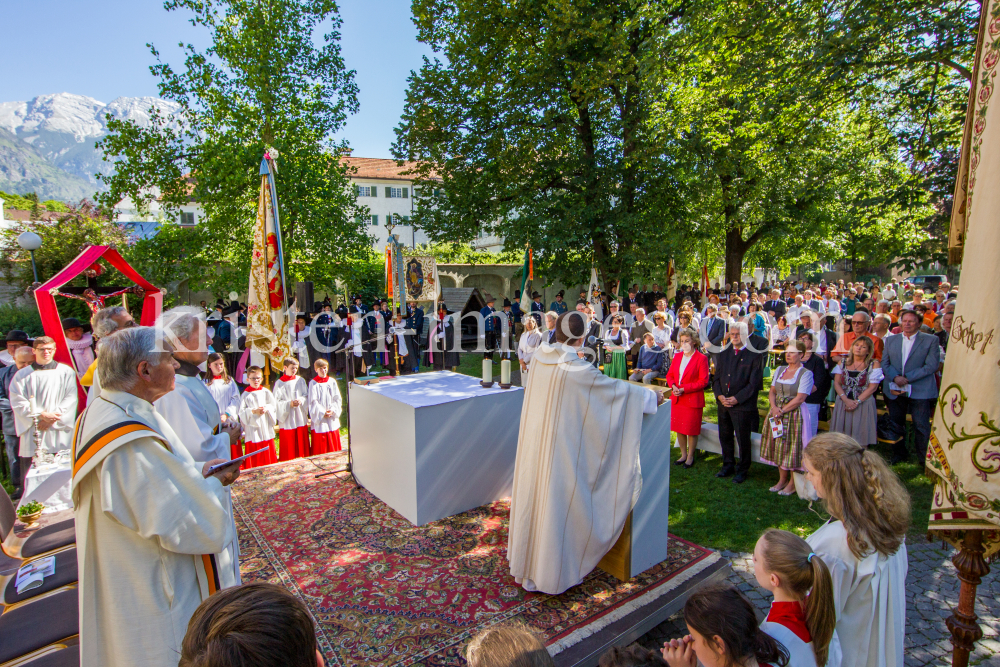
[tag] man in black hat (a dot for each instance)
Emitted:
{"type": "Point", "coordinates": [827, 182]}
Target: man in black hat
{"type": "Point", "coordinates": [415, 323]}
{"type": "Point", "coordinates": [508, 335]}
{"type": "Point", "coordinates": [81, 344]}
{"type": "Point", "coordinates": [491, 326]}
{"type": "Point", "coordinates": [537, 309]}
{"type": "Point", "coordinates": [15, 339]}
{"type": "Point", "coordinates": [372, 331]}
{"type": "Point", "coordinates": [359, 305]}
{"type": "Point", "coordinates": [559, 306]}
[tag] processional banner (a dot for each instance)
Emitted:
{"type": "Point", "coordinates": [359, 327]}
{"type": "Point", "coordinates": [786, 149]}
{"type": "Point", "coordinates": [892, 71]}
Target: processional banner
{"type": "Point", "coordinates": [420, 278]}
{"type": "Point", "coordinates": [964, 453]}
{"type": "Point", "coordinates": [268, 324]}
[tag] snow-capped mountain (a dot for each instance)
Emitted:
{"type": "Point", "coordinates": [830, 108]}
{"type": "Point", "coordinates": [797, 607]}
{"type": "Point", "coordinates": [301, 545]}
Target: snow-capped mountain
{"type": "Point", "coordinates": [63, 129]}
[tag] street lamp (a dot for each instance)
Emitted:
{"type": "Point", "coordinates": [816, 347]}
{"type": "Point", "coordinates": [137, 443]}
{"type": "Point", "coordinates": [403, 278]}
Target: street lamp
{"type": "Point", "coordinates": [31, 242]}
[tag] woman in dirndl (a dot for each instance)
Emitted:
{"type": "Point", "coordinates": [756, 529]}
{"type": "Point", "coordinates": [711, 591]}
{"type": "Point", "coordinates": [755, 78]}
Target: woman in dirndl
{"type": "Point", "coordinates": [790, 388]}
{"type": "Point", "coordinates": [856, 380]}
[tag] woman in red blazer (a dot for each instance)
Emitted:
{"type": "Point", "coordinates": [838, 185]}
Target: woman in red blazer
{"type": "Point", "coordinates": [687, 378]}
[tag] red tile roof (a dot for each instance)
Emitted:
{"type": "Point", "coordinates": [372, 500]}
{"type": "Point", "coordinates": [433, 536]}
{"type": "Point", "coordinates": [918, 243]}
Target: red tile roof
{"type": "Point", "coordinates": [376, 168]}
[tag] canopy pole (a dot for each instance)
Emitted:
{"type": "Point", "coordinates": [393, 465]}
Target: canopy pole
{"type": "Point", "coordinates": [972, 567]}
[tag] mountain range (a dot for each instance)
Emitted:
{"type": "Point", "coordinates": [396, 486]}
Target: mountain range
{"type": "Point", "coordinates": [47, 143]}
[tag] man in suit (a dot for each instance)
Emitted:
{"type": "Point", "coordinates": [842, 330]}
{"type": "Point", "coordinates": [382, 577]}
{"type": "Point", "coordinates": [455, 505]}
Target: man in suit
{"type": "Point", "coordinates": [712, 330]}
{"type": "Point", "coordinates": [593, 331]}
{"type": "Point", "coordinates": [909, 362]}
{"type": "Point", "coordinates": [775, 307]}
{"type": "Point", "coordinates": [739, 376]}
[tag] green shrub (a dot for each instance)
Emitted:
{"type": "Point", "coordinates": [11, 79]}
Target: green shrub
{"type": "Point", "coordinates": [25, 318]}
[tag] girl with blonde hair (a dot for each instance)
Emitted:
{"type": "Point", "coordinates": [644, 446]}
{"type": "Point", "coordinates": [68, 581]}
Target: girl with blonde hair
{"type": "Point", "coordinates": [803, 615]}
{"type": "Point", "coordinates": [507, 645]}
{"type": "Point", "coordinates": [863, 545]}
{"type": "Point", "coordinates": [855, 381]}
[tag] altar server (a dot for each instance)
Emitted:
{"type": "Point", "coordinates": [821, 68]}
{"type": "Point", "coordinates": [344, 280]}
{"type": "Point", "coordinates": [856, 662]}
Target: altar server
{"type": "Point", "coordinates": [147, 519]}
{"type": "Point", "coordinates": [802, 617]}
{"type": "Point", "coordinates": [43, 398]}
{"type": "Point", "coordinates": [258, 414]}
{"type": "Point", "coordinates": [291, 393]}
{"type": "Point", "coordinates": [564, 517]}
{"type": "Point", "coordinates": [324, 410]}
{"type": "Point", "coordinates": [191, 411]}
{"type": "Point", "coordinates": [223, 389]}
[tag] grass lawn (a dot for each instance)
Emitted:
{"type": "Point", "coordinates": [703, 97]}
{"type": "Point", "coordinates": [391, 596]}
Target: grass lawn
{"type": "Point", "coordinates": [717, 513]}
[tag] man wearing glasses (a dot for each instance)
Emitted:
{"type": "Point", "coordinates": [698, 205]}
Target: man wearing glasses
{"type": "Point", "coordinates": [860, 324]}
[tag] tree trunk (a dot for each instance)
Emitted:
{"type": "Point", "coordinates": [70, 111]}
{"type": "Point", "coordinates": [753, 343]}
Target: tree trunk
{"type": "Point", "coordinates": [736, 249]}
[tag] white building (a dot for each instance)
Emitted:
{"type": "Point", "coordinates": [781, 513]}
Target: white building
{"type": "Point", "coordinates": [383, 186]}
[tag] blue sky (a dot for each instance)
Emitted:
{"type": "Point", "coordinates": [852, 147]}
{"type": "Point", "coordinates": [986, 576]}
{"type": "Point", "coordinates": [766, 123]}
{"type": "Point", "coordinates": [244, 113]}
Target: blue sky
{"type": "Point", "coordinates": [99, 49]}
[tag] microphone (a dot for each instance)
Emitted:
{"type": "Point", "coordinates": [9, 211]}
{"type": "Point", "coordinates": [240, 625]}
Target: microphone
{"type": "Point", "coordinates": [592, 340]}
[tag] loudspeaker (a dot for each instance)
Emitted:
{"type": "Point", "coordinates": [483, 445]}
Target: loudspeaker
{"type": "Point", "coordinates": [304, 297]}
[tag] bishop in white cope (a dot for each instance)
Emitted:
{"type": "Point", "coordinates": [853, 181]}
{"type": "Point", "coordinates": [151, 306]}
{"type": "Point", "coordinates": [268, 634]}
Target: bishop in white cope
{"type": "Point", "coordinates": [193, 415]}
{"type": "Point", "coordinates": [148, 522]}
{"type": "Point", "coordinates": [576, 475]}
{"type": "Point", "coordinates": [44, 400]}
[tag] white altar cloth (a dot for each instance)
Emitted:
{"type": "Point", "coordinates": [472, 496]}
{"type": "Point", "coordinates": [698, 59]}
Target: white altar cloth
{"type": "Point", "coordinates": [432, 445]}
{"type": "Point", "coordinates": [49, 484]}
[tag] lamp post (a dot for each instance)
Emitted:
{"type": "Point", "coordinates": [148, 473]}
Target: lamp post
{"type": "Point", "coordinates": [31, 242]}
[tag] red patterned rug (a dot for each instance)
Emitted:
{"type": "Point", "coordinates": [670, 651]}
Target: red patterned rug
{"type": "Point", "coordinates": [386, 592]}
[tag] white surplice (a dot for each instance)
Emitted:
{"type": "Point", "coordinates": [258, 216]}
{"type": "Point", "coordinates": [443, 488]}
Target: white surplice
{"type": "Point", "coordinates": [34, 391]}
{"type": "Point", "coordinates": [576, 475]}
{"type": "Point", "coordinates": [258, 428]}
{"type": "Point", "coordinates": [192, 414]}
{"type": "Point", "coordinates": [870, 597]}
{"type": "Point", "coordinates": [227, 397]}
{"type": "Point", "coordinates": [147, 524]}
{"type": "Point", "coordinates": [286, 392]}
{"type": "Point", "coordinates": [324, 396]}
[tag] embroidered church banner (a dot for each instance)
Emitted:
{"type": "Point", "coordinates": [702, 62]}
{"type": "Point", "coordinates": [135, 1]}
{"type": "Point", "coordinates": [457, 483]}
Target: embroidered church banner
{"type": "Point", "coordinates": [965, 441]}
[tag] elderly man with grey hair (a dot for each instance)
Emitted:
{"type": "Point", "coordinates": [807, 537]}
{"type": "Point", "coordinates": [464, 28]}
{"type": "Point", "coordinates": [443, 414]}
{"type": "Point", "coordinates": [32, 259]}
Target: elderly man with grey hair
{"type": "Point", "coordinates": [739, 376]}
{"type": "Point", "coordinates": [104, 322]}
{"type": "Point", "coordinates": [149, 520]}
{"type": "Point", "coordinates": [192, 412]}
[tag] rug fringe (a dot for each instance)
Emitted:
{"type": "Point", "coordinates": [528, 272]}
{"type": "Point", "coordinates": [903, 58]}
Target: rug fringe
{"type": "Point", "coordinates": [580, 634]}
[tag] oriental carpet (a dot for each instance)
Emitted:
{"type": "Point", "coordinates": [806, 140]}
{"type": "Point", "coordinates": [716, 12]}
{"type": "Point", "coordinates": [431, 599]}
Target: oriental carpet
{"type": "Point", "coordinates": [385, 592]}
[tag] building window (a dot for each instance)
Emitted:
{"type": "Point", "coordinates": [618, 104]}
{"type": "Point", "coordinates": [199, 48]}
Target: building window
{"type": "Point", "coordinates": [366, 190]}
{"type": "Point", "coordinates": [397, 193]}
{"type": "Point", "coordinates": [187, 219]}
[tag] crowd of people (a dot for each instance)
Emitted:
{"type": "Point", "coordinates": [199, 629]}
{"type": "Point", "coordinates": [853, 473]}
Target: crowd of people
{"type": "Point", "coordinates": [160, 510]}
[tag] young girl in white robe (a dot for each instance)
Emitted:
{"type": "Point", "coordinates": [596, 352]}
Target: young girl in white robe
{"type": "Point", "coordinates": [863, 546]}
{"type": "Point", "coordinates": [324, 410]}
{"type": "Point", "coordinates": [226, 393]}
{"type": "Point", "coordinates": [802, 616]}
{"type": "Point", "coordinates": [258, 414]}
{"type": "Point", "coordinates": [291, 393]}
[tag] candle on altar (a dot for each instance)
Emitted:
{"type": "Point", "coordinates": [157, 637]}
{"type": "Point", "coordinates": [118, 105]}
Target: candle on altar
{"type": "Point", "coordinates": [505, 371]}
{"type": "Point", "coordinates": [487, 370]}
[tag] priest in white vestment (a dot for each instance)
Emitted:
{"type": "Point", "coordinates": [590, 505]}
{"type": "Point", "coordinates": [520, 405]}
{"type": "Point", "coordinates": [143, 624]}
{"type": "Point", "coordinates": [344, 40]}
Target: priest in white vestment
{"type": "Point", "coordinates": [193, 414]}
{"type": "Point", "coordinates": [148, 522]}
{"type": "Point", "coordinates": [44, 400]}
{"type": "Point", "coordinates": [576, 475]}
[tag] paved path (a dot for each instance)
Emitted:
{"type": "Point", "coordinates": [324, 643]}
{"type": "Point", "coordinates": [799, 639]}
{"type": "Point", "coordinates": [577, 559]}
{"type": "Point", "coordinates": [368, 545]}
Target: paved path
{"type": "Point", "coordinates": [931, 592]}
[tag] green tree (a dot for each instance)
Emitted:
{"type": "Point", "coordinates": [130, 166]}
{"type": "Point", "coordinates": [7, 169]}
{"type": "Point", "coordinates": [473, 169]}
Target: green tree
{"type": "Point", "coordinates": [62, 240]}
{"type": "Point", "coordinates": [270, 80]}
{"type": "Point", "coordinates": [534, 126]}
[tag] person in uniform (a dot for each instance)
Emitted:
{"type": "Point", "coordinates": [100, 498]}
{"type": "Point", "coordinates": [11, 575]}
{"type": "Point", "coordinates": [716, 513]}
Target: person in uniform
{"type": "Point", "coordinates": [415, 323]}
{"type": "Point", "coordinates": [491, 326]}
{"type": "Point", "coordinates": [508, 346]}
{"type": "Point", "coordinates": [444, 340]}
{"type": "Point", "coordinates": [149, 519]}
{"type": "Point", "coordinates": [559, 306]}
{"type": "Point", "coordinates": [537, 309]}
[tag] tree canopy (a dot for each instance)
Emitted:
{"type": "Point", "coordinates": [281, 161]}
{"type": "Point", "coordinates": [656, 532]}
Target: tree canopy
{"type": "Point", "coordinates": [273, 78]}
{"type": "Point", "coordinates": [622, 134]}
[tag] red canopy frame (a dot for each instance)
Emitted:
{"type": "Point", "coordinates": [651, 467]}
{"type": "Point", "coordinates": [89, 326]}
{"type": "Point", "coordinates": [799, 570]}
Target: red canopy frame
{"type": "Point", "coordinates": [45, 294]}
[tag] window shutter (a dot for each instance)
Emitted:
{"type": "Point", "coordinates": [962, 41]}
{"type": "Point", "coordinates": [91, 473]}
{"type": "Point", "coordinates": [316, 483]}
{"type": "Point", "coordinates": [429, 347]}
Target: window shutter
{"type": "Point", "coordinates": [388, 191]}
{"type": "Point", "coordinates": [406, 219]}
{"type": "Point", "coordinates": [405, 193]}
{"type": "Point", "coordinates": [374, 220]}
{"type": "Point", "coordinates": [374, 191]}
